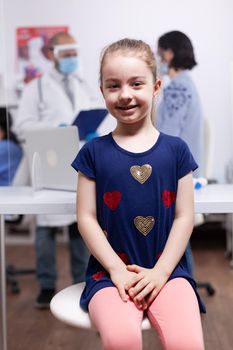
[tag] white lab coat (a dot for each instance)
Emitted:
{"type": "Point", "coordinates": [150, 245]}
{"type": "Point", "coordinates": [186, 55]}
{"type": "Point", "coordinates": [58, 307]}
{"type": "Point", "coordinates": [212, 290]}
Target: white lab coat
{"type": "Point", "coordinates": [53, 109]}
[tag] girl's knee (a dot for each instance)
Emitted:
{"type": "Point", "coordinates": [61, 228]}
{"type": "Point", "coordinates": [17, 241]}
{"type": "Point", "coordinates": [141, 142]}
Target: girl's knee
{"type": "Point", "coordinates": [184, 343]}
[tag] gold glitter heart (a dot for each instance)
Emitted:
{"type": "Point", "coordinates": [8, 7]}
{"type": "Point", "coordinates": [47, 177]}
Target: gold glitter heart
{"type": "Point", "coordinates": [141, 173]}
{"type": "Point", "coordinates": [144, 225]}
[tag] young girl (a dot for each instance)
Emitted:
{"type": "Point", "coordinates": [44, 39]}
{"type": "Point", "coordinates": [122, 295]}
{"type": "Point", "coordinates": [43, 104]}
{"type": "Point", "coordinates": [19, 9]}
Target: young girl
{"type": "Point", "coordinates": [135, 212]}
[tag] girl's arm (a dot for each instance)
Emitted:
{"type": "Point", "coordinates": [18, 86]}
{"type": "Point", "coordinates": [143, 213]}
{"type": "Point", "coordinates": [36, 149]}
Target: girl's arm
{"type": "Point", "coordinates": [152, 280]}
{"type": "Point", "coordinates": [95, 238]}
{"type": "Point", "coordinates": [182, 226]}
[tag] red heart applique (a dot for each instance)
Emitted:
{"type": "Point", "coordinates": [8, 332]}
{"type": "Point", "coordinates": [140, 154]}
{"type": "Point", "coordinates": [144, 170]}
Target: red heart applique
{"type": "Point", "coordinates": [168, 197]}
{"type": "Point", "coordinates": [98, 275]}
{"type": "Point", "coordinates": [112, 199]}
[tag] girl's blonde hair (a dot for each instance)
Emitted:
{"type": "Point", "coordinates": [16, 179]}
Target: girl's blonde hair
{"type": "Point", "coordinates": [132, 47]}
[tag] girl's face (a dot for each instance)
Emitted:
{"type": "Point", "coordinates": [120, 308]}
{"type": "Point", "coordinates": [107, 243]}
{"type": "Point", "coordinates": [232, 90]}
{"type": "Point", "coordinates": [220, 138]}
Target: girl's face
{"type": "Point", "coordinates": [128, 88]}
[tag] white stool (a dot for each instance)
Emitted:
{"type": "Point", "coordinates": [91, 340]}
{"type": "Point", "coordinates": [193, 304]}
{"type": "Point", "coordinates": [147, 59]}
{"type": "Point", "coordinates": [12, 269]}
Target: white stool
{"type": "Point", "coordinates": [65, 307]}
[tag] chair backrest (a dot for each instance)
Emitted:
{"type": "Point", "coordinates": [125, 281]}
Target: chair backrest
{"type": "Point", "coordinates": [208, 148]}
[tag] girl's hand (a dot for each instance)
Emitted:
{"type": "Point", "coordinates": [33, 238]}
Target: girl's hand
{"type": "Point", "coordinates": [150, 282]}
{"type": "Point", "coordinates": [124, 279]}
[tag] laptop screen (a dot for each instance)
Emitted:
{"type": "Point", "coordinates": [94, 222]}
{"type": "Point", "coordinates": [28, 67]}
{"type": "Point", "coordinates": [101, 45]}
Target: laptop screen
{"type": "Point", "coordinates": [50, 152]}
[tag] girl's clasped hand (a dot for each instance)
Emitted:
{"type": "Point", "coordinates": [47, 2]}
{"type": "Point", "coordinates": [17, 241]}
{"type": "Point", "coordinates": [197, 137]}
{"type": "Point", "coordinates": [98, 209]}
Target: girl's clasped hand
{"type": "Point", "coordinates": [142, 284]}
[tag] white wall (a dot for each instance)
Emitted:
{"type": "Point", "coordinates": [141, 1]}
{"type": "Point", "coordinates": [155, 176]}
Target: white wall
{"type": "Point", "coordinates": [3, 56]}
{"type": "Point", "coordinates": [98, 22]}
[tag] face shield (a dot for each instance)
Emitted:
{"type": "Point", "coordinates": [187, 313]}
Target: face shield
{"type": "Point", "coordinates": [65, 50]}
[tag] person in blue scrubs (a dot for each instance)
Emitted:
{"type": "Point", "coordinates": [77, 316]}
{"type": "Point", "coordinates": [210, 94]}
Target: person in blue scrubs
{"type": "Point", "coordinates": [179, 112]}
{"type": "Point", "coordinates": [10, 150]}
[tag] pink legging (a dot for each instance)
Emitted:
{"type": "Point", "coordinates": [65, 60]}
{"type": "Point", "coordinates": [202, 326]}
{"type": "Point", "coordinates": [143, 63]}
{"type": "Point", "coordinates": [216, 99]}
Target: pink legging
{"type": "Point", "coordinates": [174, 314]}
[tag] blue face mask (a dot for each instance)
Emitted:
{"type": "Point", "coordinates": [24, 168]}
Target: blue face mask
{"type": "Point", "coordinates": [163, 68]}
{"type": "Point", "coordinates": [68, 65]}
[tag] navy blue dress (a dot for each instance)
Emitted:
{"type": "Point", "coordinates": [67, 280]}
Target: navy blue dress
{"type": "Point", "coordinates": [135, 200]}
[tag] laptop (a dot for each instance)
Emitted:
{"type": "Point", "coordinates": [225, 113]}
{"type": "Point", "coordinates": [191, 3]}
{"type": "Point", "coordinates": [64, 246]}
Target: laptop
{"type": "Point", "coordinates": [50, 152]}
{"type": "Point", "coordinates": [89, 121]}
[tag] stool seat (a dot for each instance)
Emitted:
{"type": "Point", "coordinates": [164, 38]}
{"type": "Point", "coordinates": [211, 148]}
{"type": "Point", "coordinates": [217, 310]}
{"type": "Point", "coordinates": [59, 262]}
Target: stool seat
{"type": "Point", "coordinates": [65, 307]}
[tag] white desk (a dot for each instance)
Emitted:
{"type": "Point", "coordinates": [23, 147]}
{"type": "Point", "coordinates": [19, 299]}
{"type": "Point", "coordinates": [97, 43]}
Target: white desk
{"type": "Point", "coordinates": [214, 199]}
{"type": "Point", "coordinates": [22, 200]}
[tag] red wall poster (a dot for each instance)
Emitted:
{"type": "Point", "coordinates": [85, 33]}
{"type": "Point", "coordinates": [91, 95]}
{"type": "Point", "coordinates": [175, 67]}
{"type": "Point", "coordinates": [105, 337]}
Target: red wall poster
{"type": "Point", "coordinates": [32, 48]}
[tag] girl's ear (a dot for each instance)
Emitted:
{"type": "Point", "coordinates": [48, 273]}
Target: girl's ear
{"type": "Point", "coordinates": [157, 86]}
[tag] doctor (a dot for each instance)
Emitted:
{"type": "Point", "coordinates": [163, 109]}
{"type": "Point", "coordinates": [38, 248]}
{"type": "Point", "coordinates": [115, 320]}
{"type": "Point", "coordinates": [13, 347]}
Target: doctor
{"type": "Point", "coordinates": [56, 97]}
{"type": "Point", "coordinates": [52, 100]}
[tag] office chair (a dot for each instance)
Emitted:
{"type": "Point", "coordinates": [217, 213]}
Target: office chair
{"type": "Point", "coordinates": [207, 167]}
